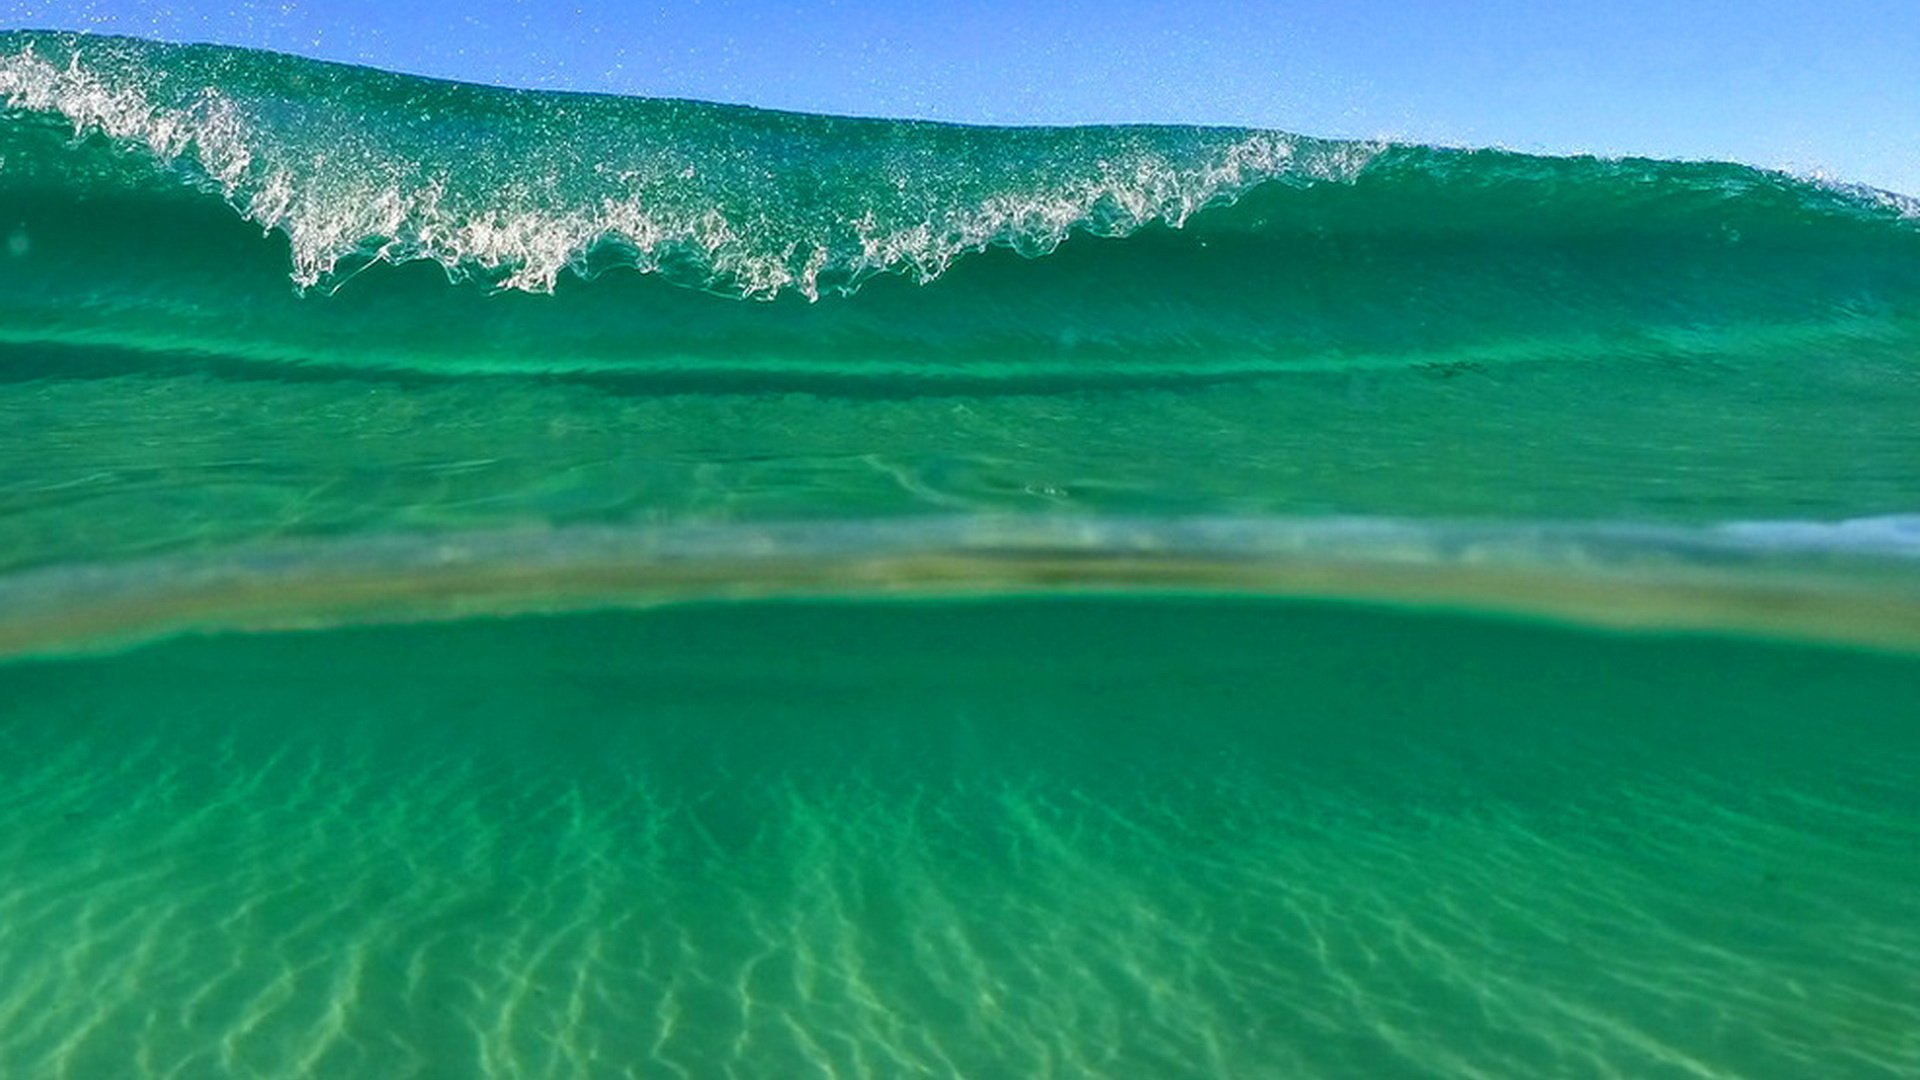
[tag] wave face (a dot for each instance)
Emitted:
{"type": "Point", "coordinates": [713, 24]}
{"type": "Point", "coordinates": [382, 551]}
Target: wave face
{"type": "Point", "coordinates": [1229, 252]}
{"type": "Point", "coordinates": [250, 302]}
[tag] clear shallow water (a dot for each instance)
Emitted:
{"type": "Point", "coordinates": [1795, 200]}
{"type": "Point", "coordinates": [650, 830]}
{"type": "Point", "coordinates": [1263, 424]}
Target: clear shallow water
{"type": "Point", "coordinates": [510, 584]}
{"type": "Point", "coordinates": [1085, 838]}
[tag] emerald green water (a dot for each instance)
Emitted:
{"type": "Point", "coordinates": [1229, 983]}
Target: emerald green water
{"type": "Point", "coordinates": [1084, 838]}
{"type": "Point", "coordinates": [509, 584]}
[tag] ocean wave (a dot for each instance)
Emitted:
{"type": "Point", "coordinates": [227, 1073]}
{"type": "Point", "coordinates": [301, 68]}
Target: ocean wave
{"type": "Point", "coordinates": [517, 187]}
{"type": "Point", "coordinates": [155, 199]}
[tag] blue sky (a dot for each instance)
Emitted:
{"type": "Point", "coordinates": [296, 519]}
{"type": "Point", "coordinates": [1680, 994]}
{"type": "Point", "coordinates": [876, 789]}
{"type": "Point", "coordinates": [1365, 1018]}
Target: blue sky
{"type": "Point", "coordinates": [1830, 88]}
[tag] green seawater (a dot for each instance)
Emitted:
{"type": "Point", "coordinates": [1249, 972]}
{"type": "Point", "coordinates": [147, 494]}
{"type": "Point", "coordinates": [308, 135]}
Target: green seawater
{"type": "Point", "coordinates": [512, 584]}
{"type": "Point", "coordinates": [1071, 838]}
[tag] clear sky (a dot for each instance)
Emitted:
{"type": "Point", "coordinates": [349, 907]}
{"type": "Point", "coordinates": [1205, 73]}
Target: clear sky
{"type": "Point", "coordinates": [1827, 87]}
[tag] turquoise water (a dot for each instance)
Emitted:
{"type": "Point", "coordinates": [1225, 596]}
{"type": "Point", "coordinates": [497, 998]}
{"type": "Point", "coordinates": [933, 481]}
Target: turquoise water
{"type": "Point", "coordinates": [498, 584]}
{"type": "Point", "coordinates": [1113, 838]}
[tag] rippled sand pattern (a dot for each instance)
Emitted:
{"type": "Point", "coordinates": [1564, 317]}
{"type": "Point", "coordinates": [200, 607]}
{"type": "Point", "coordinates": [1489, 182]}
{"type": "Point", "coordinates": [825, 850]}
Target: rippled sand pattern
{"type": "Point", "coordinates": [706, 843]}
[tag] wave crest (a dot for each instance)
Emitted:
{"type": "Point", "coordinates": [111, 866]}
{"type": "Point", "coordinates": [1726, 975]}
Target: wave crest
{"type": "Point", "coordinates": [517, 187]}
